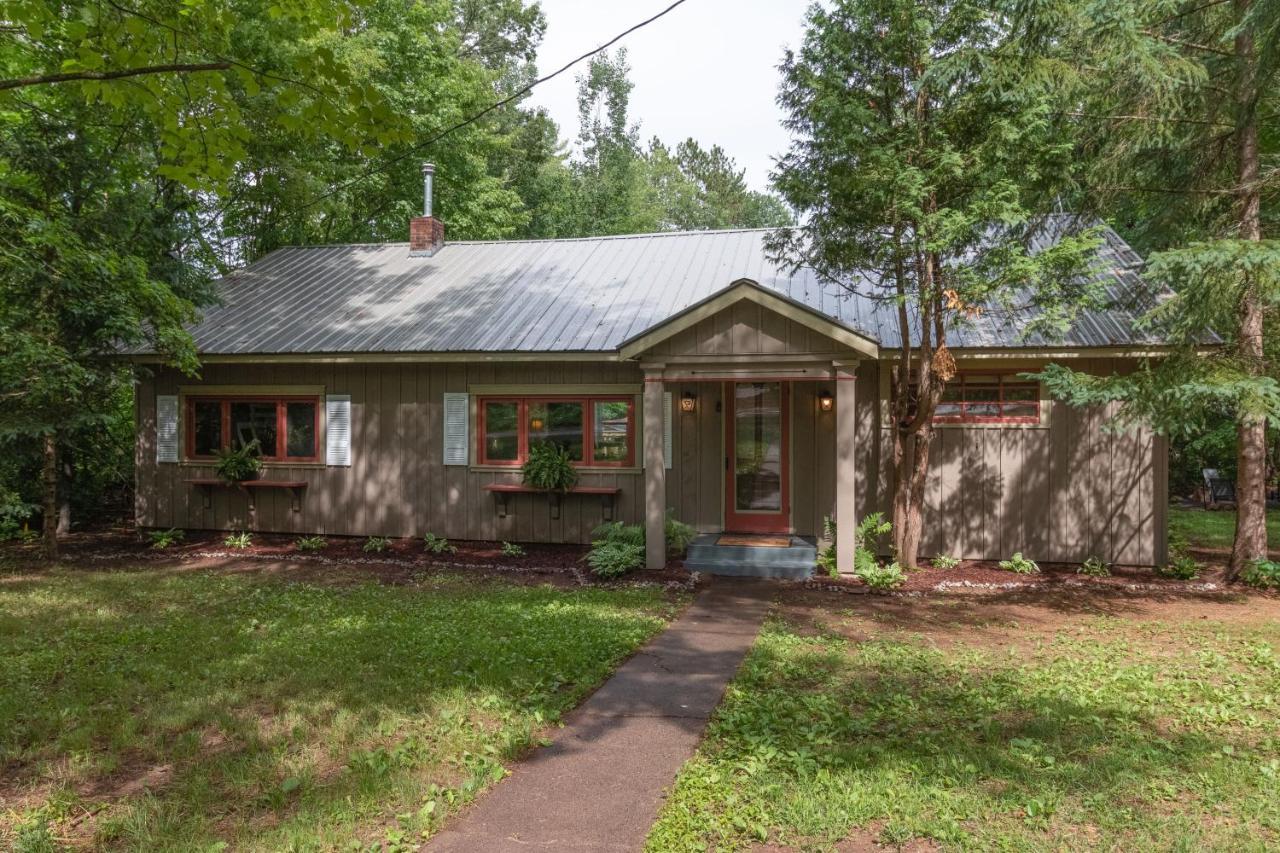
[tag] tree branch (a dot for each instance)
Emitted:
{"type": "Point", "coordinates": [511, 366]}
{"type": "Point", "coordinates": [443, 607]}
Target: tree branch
{"type": "Point", "coordinates": [69, 76]}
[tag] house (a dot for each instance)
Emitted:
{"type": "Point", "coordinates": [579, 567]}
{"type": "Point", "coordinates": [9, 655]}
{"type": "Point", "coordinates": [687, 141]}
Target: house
{"type": "Point", "coordinates": [396, 389]}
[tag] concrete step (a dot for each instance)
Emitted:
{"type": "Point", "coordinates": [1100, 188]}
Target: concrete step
{"type": "Point", "coordinates": [795, 561]}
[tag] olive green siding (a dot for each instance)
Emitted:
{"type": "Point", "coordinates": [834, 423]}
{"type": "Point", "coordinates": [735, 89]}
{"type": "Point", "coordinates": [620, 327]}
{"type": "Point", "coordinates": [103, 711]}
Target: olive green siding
{"type": "Point", "coordinates": [1058, 492]}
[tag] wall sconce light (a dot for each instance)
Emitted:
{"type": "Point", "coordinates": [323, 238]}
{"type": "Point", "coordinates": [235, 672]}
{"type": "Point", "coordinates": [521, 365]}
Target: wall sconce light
{"type": "Point", "coordinates": [687, 401]}
{"type": "Point", "coordinates": [825, 401]}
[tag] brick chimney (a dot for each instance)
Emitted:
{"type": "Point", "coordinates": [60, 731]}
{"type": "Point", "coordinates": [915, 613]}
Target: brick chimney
{"type": "Point", "coordinates": [426, 233]}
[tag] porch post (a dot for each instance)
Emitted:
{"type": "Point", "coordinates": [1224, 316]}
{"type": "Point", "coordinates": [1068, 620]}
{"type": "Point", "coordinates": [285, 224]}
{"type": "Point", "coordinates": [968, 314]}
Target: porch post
{"type": "Point", "coordinates": [655, 474]}
{"type": "Point", "coordinates": [846, 464]}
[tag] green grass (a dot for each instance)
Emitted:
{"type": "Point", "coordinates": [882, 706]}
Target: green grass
{"type": "Point", "coordinates": [183, 709]}
{"type": "Point", "coordinates": [1111, 734]}
{"type": "Point", "coordinates": [1213, 528]}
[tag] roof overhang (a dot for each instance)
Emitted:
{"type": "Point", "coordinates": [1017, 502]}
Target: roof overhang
{"type": "Point", "coordinates": [744, 289]}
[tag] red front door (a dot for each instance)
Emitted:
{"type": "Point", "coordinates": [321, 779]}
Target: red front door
{"type": "Point", "coordinates": [758, 447]}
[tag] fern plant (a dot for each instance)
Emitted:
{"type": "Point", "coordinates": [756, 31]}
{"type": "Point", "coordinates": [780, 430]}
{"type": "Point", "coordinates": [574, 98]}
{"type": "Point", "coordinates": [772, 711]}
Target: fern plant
{"type": "Point", "coordinates": [237, 464]}
{"type": "Point", "coordinates": [309, 543]}
{"type": "Point", "coordinates": [511, 549]}
{"type": "Point", "coordinates": [616, 549]}
{"type": "Point", "coordinates": [161, 539]}
{"type": "Point", "coordinates": [549, 467]}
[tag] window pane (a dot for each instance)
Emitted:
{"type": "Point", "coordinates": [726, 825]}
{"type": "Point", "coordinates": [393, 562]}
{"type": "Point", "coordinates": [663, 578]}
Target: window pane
{"type": "Point", "coordinates": [255, 420]}
{"type": "Point", "coordinates": [559, 423]}
{"type": "Point", "coordinates": [981, 392]}
{"type": "Point", "coordinates": [953, 391]}
{"type": "Point", "coordinates": [1022, 409]}
{"type": "Point", "coordinates": [1021, 391]}
{"type": "Point", "coordinates": [982, 410]}
{"type": "Point", "coordinates": [207, 423]}
{"type": "Point", "coordinates": [947, 410]}
{"type": "Point", "coordinates": [501, 431]}
{"type": "Point", "coordinates": [300, 420]}
{"type": "Point", "coordinates": [758, 450]}
{"type": "Point", "coordinates": [612, 423]}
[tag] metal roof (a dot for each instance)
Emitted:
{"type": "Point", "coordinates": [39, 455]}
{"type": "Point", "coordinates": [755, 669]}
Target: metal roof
{"type": "Point", "coordinates": [571, 295]}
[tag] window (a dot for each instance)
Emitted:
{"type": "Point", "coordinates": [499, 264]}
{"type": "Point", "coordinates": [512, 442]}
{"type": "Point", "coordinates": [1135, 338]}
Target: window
{"type": "Point", "coordinates": [596, 431]}
{"type": "Point", "coordinates": [285, 428]}
{"type": "Point", "coordinates": [989, 398]}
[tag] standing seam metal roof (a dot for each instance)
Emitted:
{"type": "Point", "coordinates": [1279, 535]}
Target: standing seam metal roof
{"type": "Point", "coordinates": [580, 295]}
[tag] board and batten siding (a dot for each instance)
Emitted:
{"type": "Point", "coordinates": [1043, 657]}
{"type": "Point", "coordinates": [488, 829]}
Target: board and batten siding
{"type": "Point", "coordinates": [397, 483]}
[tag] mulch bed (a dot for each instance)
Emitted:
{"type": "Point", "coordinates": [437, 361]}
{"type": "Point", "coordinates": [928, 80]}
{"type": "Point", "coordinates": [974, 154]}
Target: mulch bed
{"type": "Point", "coordinates": [559, 564]}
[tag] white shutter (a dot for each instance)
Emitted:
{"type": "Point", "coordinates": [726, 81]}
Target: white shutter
{"type": "Point", "coordinates": [337, 429]}
{"type": "Point", "coordinates": [666, 429]}
{"type": "Point", "coordinates": [456, 415]}
{"type": "Point", "coordinates": [166, 428]}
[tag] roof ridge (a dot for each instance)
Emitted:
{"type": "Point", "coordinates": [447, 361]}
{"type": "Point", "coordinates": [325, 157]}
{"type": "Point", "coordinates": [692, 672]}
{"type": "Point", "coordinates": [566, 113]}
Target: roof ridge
{"type": "Point", "coordinates": [523, 240]}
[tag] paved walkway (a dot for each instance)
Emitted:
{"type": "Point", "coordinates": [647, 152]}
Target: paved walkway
{"type": "Point", "coordinates": [601, 782]}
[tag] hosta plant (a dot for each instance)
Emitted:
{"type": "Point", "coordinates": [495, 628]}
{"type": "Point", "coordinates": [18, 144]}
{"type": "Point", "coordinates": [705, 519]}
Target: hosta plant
{"type": "Point", "coordinates": [376, 544]}
{"type": "Point", "coordinates": [511, 549]}
{"type": "Point", "coordinates": [944, 561]}
{"type": "Point", "coordinates": [1020, 564]}
{"type": "Point", "coordinates": [438, 544]}
{"type": "Point", "coordinates": [239, 539]}
{"type": "Point", "coordinates": [309, 543]}
{"type": "Point", "coordinates": [1261, 574]}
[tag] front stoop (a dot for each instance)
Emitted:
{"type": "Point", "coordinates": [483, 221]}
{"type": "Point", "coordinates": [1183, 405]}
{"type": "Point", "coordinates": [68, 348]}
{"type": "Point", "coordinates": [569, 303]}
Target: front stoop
{"type": "Point", "coordinates": [794, 562]}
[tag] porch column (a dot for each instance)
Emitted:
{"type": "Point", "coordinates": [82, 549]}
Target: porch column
{"type": "Point", "coordinates": [655, 474]}
{"type": "Point", "coordinates": [846, 464]}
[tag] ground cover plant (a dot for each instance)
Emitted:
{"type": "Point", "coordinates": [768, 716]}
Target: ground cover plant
{"type": "Point", "coordinates": [1051, 722]}
{"type": "Point", "coordinates": [157, 709]}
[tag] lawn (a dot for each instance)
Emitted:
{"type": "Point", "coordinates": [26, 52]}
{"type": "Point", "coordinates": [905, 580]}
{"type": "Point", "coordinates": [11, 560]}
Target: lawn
{"type": "Point", "coordinates": [155, 709]}
{"type": "Point", "coordinates": [1214, 529]}
{"type": "Point", "coordinates": [995, 723]}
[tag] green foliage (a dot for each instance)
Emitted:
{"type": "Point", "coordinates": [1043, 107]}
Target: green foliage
{"type": "Point", "coordinates": [1020, 564]}
{"type": "Point", "coordinates": [438, 544]}
{"type": "Point", "coordinates": [162, 539]}
{"type": "Point", "coordinates": [944, 561]}
{"type": "Point", "coordinates": [310, 543]}
{"type": "Point", "coordinates": [866, 543]}
{"type": "Point", "coordinates": [616, 549]}
{"type": "Point", "coordinates": [1102, 720]}
{"type": "Point", "coordinates": [376, 544]}
{"type": "Point", "coordinates": [238, 539]}
{"type": "Point", "coordinates": [511, 549]}
{"type": "Point", "coordinates": [879, 577]}
{"type": "Point", "coordinates": [549, 467]}
{"type": "Point", "coordinates": [1094, 567]}
{"type": "Point", "coordinates": [237, 464]}
{"type": "Point", "coordinates": [678, 534]}
{"type": "Point", "coordinates": [430, 689]}
{"type": "Point", "coordinates": [1261, 574]}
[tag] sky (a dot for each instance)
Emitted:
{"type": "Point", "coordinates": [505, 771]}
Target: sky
{"type": "Point", "coordinates": [708, 69]}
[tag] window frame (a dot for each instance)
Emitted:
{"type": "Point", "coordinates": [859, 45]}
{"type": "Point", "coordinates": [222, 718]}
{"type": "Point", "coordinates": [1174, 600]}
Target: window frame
{"type": "Point", "coordinates": [1001, 379]}
{"type": "Point", "coordinates": [523, 402]}
{"type": "Point", "coordinates": [225, 401]}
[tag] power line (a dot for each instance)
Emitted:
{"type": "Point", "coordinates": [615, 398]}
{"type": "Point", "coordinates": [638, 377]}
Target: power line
{"type": "Point", "coordinates": [496, 105]}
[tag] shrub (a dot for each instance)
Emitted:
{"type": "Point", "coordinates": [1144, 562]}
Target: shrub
{"type": "Point", "coordinates": [549, 467]}
{"type": "Point", "coordinates": [161, 539]}
{"type": "Point", "coordinates": [616, 549]}
{"type": "Point", "coordinates": [1094, 567]}
{"type": "Point", "coordinates": [239, 539]}
{"type": "Point", "coordinates": [309, 543]}
{"type": "Point", "coordinates": [611, 559]}
{"type": "Point", "coordinates": [237, 464]}
{"type": "Point", "coordinates": [1182, 568]}
{"type": "Point", "coordinates": [880, 577]}
{"type": "Point", "coordinates": [511, 549]}
{"type": "Point", "coordinates": [1020, 564]}
{"type": "Point", "coordinates": [868, 531]}
{"type": "Point", "coordinates": [439, 545]}
{"type": "Point", "coordinates": [944, 561]}
{"type": "Point", "coordinates": [1261, 574]}
{"type": "Point", "coordinates": [678, 534]}
{"type": "Point", "coordinates": [376, 544]}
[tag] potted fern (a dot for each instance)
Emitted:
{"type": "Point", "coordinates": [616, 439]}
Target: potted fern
{"type": "Point", "coordinates": [239, 464]}
{"type": "Point", "coordinates": [550, 468]}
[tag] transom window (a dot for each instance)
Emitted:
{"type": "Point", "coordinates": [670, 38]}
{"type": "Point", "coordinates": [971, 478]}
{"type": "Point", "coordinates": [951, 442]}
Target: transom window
{"type": "Point", "coordinates": [596, 431]}
{"type": "Point", "coordinates": [987, 398]}
{"type": "Point", "coordinates": [285, 428]}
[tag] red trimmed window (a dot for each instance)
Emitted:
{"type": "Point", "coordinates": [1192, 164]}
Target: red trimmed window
{"type": "Point", "coordinates": [986, 398]}
{"type": "Point", "coordinates": [596, 431]}
{"type": "Point", "coordinates": [287, 428]}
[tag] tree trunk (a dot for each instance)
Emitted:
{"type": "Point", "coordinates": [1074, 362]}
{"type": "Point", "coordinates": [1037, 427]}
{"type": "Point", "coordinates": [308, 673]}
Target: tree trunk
{"type": "Point", "coordinates": [913, 515]}
{"type": "Point", "coordinates": [50, 481]}
{"type": "Point", "coordinates": [1251, 489]}
{"type": "Point", "coordinates": [64, 493]}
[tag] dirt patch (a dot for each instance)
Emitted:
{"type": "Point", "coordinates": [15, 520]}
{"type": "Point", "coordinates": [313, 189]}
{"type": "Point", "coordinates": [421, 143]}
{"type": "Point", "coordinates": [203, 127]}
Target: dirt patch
{"type": "Point", "coordinates": [1006, 618]}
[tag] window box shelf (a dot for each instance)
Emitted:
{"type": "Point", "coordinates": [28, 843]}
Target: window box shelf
{"type": "Point", "coordinates": [502, 491]}
{"type": "Point", "coordinates": [250, 487]}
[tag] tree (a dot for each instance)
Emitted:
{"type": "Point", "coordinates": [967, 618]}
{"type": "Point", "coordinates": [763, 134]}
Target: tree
{"type": "Point", "coordinates": [917, 168]}
{"type": "Point", "coordinates": [1177, 106]}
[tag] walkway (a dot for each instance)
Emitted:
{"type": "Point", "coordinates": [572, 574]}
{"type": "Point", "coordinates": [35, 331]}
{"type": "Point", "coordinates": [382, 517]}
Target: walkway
{"type": "Point", "coordinates": [600, 784]}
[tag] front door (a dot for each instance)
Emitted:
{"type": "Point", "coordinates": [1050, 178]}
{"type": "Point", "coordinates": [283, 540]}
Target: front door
{"type": "Point", "coordinates": [758, 467]}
